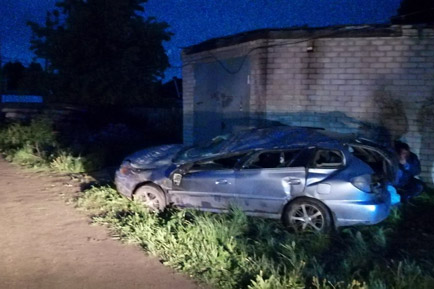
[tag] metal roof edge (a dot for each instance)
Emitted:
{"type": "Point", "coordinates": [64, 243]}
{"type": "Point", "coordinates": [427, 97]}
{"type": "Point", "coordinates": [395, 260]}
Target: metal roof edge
{"type": "Point", "coordinates": [338, 31]}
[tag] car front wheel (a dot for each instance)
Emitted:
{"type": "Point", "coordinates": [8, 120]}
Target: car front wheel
{"type": "Point", "coordinates": [151, 196]}
{"type": "Point", "coordinates": [307, 215]}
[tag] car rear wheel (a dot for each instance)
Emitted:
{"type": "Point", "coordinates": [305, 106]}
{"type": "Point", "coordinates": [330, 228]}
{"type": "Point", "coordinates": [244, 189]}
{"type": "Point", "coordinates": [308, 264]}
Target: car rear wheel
{"type": "Point", "coordinates": [307, 215]}
{"type": "Point", "coordinates": [151, 196]}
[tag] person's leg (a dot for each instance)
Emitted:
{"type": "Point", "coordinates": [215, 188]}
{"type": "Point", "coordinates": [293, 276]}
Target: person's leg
{"type": "Point", "coordinates": [404, 193]}
{"type": "Point", "coordinates": [419, 187]}
{"type": "Point", "coordinates": [412, 189]}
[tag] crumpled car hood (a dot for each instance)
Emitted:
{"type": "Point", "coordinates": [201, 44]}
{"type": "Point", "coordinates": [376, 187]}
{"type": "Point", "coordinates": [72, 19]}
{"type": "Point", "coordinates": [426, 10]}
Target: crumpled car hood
{"type": "Point", "coordinates": [154, 157]}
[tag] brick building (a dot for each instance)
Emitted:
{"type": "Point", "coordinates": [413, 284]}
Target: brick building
{"type": "Point", "coordinates": [377, 81]}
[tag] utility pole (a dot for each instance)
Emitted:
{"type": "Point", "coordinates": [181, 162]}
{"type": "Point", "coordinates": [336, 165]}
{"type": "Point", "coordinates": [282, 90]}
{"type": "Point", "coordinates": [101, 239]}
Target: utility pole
{"type": "Point", "coordinates": [1, 70]}
{"type": "Point", "coordinates": [2, 80]}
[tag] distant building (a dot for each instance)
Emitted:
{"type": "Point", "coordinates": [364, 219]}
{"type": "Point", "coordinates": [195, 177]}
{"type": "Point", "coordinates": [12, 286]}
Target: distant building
{"type": "Point", "coordinates": [376, 81]}
{"type": "Point", "coordinates": [12, 98]}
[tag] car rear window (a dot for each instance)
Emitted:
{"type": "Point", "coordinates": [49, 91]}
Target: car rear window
{"type": "Point", "coordinates": [327, 159]}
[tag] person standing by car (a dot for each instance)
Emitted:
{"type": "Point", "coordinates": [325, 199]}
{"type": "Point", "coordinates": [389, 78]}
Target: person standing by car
{"type": "Point", "coordinates": [409, 167]}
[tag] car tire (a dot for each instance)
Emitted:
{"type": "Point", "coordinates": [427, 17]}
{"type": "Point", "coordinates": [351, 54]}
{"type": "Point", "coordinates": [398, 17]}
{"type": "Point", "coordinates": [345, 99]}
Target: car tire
{"type": "Point", "coordinates": [151, 196]}
{"type": "Point", "coordinates": [307, 215]}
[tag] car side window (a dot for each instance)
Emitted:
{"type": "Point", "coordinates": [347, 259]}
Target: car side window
{"type": "Point", "coordinates": [302, 158]}
{"type": "Point", "coordinates": [327, 159]}
{"type": "Point", "coordinates": [271, 159]}
{"type": "Point", "coordinates": [222, 163]}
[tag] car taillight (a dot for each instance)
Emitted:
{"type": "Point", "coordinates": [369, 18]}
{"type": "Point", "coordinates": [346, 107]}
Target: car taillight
{"type": "Point", "coordinates": [363, 183]}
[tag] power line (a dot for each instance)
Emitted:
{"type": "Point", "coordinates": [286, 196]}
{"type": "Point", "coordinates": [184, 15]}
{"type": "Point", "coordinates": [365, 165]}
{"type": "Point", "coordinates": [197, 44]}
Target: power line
{"type": "Point", "coordinates": [412, 13]}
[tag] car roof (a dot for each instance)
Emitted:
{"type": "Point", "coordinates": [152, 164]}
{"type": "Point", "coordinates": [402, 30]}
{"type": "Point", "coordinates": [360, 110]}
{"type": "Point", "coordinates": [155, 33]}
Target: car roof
{"type": "Point", "coordinates": [279, 137]}
{"type": "Point", "coordinates": [276, 137]}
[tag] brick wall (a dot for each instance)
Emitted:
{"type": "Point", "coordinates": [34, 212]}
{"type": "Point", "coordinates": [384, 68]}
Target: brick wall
{"type": "Point", "coordinates": [381, 87]}
{"type": "Point", "coordinates": [257, 59]}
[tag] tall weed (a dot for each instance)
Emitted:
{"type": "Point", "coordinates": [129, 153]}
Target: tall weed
{"type": "Point", "coordinates": [67, 163]}
{"type": "Point", "coordinates": [26, 156]}
{"type": "Point", "coordinates": [284, 281]}
{"type": "Point", "coordinates": [325, 284]}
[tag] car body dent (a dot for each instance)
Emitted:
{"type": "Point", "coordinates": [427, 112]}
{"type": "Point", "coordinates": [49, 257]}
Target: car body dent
{"type": "Point", "coordinates": [271, 188]}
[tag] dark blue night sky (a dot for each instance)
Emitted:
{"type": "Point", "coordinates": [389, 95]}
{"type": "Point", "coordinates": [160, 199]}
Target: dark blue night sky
{"type": "Point", "coordinates": [193, 21]}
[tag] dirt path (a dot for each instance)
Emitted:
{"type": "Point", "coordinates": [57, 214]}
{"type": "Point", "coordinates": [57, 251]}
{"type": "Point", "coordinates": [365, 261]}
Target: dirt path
{"type": "Point", "coordinates": [46, 243]}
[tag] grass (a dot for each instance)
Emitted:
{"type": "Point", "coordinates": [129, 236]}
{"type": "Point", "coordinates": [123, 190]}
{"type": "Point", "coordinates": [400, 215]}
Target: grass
{"type": "Point", "coordinates": [236, 251]}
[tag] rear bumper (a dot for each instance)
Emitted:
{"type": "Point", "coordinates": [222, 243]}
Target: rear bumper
{"type": "Point", "coordinates": [350, 213]}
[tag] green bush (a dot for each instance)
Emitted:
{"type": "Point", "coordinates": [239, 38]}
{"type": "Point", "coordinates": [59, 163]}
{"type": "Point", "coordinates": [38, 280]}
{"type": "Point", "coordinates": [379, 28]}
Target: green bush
{"type": "Point", "coordinates": [35, 145]}
{"type": "Point", "coordinates": [29, 145]}
{"type": "Point", "coordinates": [42, 137]}
{"type": "Point", "coordinates": [14, 136]}
{"type": "Point", "coordinates": [37, 136]}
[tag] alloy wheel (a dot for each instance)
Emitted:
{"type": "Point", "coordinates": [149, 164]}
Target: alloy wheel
{"type": "Point", "coordinates": [151, 197]}
{"type": "Point", "coordinates": [307, 217]}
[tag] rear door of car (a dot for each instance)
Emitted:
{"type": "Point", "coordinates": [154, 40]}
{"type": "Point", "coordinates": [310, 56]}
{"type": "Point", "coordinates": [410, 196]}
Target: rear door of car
{"type": "Point", "coordinates": [267, 180]}
{"type": "Point", "coordinates": [324, 162]}
{"type": "Point", "coordinates": [207, 185]}
{"type": "Point", "coordinates": [328, 176]}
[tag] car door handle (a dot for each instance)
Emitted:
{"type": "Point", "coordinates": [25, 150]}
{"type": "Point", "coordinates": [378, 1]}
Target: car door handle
{"type": "Point", "coordinates": [221, 182]}
{"type": "Point", "coordinates": [294, 181]}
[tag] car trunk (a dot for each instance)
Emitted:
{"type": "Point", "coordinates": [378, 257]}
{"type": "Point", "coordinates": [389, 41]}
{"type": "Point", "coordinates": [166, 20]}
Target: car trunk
{"type": "Point", "coordinates": [383, 162]}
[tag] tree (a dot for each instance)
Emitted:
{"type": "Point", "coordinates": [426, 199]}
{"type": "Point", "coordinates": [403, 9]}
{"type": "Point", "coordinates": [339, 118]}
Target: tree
{"type": "Point", "coordinates": [415, 11]}
{"type": "Point", "coordinates": [35, 80]}
{"type": "Point", "coordinates": [102, 51]}
{"type": "Point", "coordinates": [13, 73]}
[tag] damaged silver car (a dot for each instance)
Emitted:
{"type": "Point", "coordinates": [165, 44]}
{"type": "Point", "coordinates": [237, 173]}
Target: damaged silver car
{"type": "Point", "coordinates": [311, 179]}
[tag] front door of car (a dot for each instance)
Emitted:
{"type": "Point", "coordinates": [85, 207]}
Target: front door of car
{"type": "Point", "coordinates": [206, 185]}
{"type": "Point", "coordinates": [267, 181]}
{"type": "Point", "coordinates": [205, 189]}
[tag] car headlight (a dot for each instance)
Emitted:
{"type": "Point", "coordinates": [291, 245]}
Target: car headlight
{"type": "Point", "coordinates": [125, 167]}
